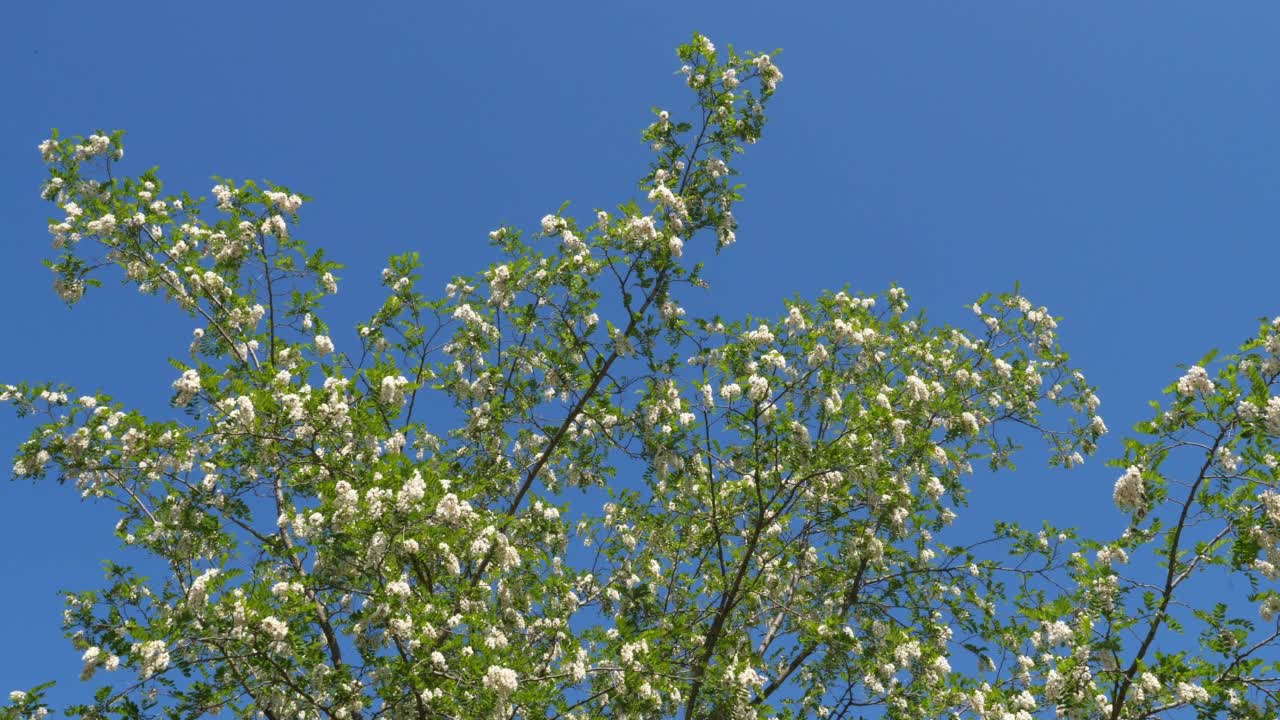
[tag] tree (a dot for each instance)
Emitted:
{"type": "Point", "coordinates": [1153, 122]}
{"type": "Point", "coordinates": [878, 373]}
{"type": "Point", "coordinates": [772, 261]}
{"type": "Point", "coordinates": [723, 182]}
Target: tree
{"type": "Point", "coordinates": [774, 494]}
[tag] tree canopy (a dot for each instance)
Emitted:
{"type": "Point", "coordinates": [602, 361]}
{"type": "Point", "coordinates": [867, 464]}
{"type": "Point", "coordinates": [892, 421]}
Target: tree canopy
{"type": "Point", "coordinates": [550, 492]}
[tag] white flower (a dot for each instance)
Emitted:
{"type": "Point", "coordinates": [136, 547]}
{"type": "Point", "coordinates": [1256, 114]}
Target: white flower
{"type": "Point", "coordinates": [1196, 381]}
{"type": "Point", "coordinates": [762, 335]}
{"type": "Point", "coordinates": [1273, 415]}
{"type": "Point", "coordinates": [399, 588]}
{"type": "Point", "coordinates": [223, 195]}
{"type": "Point", "coordinates": [102, 225]}
{"type": "Point", "coordinates": [495, 639]}
{"type": "Point", "coordinates": [187, 386]}
{"type": "Point", "coordinates": [154, 656]}
{"type": "Point", "coordinates": [1270, 503]}
{"type": "Point", "coordinates": [18, 696]}
{"type": "Point", "coordinates": [1108, 555]}
{"type": "Point", "coordinates": [91, 658]}
{"type": "Point", "coordinates": [795, 320]}
{"type": "Point", "coordinates": [917, 390]}
{"type": "Point", "coordinates": [643, 228]}
{"type": "Point", "coordinates": [393, 388]}
{"type": "Point", "coordinates": [1269, 608]}
{"type": "Point", "coordinates": [501, 680]}
{"type": "Point", "coordinates": [276, 628]}
{"type": "Point", "coordinates": [414, 490]}
{"type": "Point", "coordinates": [1229, 460]}
{"type": "Point", "coordinates": [749, 678]}
{"type": "Point", "coordinates": [329, 284]}
{"type": "Point", "coordinates": [275, 225]}
{"type": "Point", "coordinates": [1096, 423]}
{"type": "Point", "coordinates": [324, 345]}
{"type": "Point", "coordinates": [200, 587]}
{"type": "Point", "coordinates": [1129, 489]}
{"type": "Point", "coordinates": [1191, 693]}
{"type": "Point", "coordinates": [899, 427]}
{"type": "Point", "coordinates": [244, 411]}
{"type": "Point", "coordinates": [451, 510]}
{"type": "Point", "coordinates": [284, 201]}
{"type": "Point", "coordinates": [1057, 632]}
{"type": "Point", "coordinates": [769, 73]}
{"type": "Point", "coordinates": [48, 152]}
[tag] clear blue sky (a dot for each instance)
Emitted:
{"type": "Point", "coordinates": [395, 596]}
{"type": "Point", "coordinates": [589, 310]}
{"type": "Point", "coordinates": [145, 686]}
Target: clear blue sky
{"type": "Point", "coordinates": [1122, 160]}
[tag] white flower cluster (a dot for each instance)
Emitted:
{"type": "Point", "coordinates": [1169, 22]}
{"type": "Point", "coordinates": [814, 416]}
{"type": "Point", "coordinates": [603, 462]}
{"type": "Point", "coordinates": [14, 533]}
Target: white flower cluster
{"type": "Point", "coordinates": [643, 229]}
{"type": "Point", "coordinates": [223, 195]}
{"type": "Point", "coordinates": [708, 47]}
{"type": "Point", "coordinates": [1272, 416]}
{"type": "Point", "coordinates": [48, 150]}
{"type": "Point", "coordinates": [399, 588]}
{"type": "Point", "coordinates": [795, 321]}
{"type": "Point", "coordinates": [276, 225]}
{"type": "Point", "coordinates": [1196, 381]}
{"type": "Point", "coordinates": [345, 500]}
{"type": "Point", "coordinates": [93, 146]}
{"type": "Point", "coordinates": [199, 591]}
{"type": "Point", "coordinates": [501, 680]}
{"type": "Point", "coordinates": [552, 224]}
{"type": "Point", "coordinates": [1057, 632]}
{"type": "Point", "coordinates": [500, 285]}
{"type": "Point", "coordinates": [276, 630]}
{"type": "Point", "coordinates": [1192, 693]}
{"type": "Point", "coordinates": [69, 290]}
{"type": "Point", "coordinates": [917, 390]}
{"type": "Point", "coordinates": [762, 335]}
{"type": "Point", "coordinates": [730, 392]}
{"type": "Point", "coordinates": [95, 657]}
{"type": "Point", "coordinates": [452, 511]}
{"type": "Point", "coordinates": [274, 627]}
{"type": "Point", "coordinates": [413, 491]}
{"type": "Point", "coordinates": [898, 299]}
{"type": "Point", "coordinates": [284, 201]}
{"type": "Point", "coordinates": [473, 319]}
{"type": "Point", "coordinates": [393, 389]}
{"type": "Point", "coordinates": [1129, 491]}
{"type": "Point", "coordinates": [187, 386]}
{"type": "Point", "coordinates": [1109, 554]}
{"type": "Point", "coordinates": [155, 657]}
{"type": "Point", "coordinates": [1270, 608]}
{"type": "Point", "coordinates": [770, 75]}
{"type": "Point", "coordinates": [324, 344]}
{"type": "Point", "coordinates": [103, 225]}
{"type": "Point", "coordinates": [241, 409]}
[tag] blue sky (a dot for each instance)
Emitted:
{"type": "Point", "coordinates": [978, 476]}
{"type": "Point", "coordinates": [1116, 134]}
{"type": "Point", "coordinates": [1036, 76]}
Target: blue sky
{"type": "Point", "coordinates": [1121, 160]}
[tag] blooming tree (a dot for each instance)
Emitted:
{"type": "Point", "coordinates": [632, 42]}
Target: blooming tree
{"type": "Point", "coordinates": [552, 494]}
